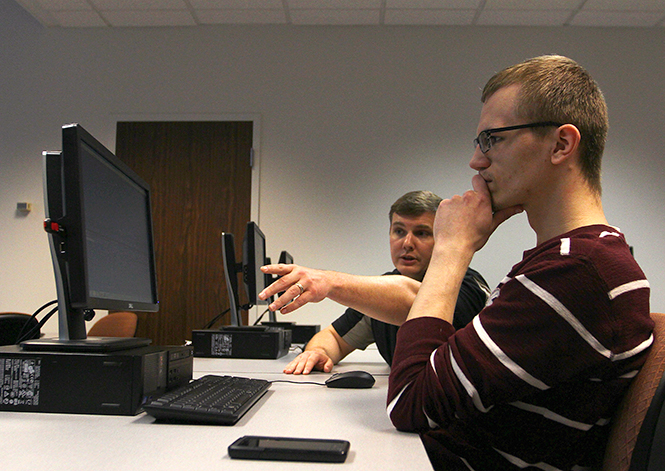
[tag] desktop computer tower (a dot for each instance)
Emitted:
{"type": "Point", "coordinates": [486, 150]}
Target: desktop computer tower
{"type": "Point", "coordinates": [300, 333]}
{"type": "Point", "coordinates": [115, 383]}
{"type": "Point", "coordinates": [251, 342]}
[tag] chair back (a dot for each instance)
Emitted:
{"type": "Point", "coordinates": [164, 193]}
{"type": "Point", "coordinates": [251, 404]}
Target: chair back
{"type": "Point", "coordinates": [649, 451]}
{"type": "Point", "coordinates": [116, 324]}
{"type": "Point", "coordinates": [636, 419]}
{"type": "Point", "coordinates": [13, 325]}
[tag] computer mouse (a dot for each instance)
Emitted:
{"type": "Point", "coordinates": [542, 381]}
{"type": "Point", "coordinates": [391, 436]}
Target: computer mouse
{"type": "Point", "coordinates": [351, 379]}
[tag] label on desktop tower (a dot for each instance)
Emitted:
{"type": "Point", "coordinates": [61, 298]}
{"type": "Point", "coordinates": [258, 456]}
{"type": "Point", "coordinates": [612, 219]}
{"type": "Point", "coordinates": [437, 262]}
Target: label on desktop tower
{"type": "Point", "coordinates": [221, 345]}
{"type": "Point", "coordinates": [20, 381]}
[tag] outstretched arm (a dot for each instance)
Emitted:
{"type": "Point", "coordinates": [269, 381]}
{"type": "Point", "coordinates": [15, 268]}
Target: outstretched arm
{"type": "Point", "coordinates": [385, 298]}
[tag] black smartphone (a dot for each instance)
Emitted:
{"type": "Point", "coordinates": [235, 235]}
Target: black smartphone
{"type": "Point", "coordinates": [252, 447]}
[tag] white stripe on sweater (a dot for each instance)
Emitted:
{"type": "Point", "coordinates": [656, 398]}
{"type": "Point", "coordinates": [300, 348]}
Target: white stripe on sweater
{"type": "Point", "coordinates": [468, 386]}
{"type": "Point", "coordinates": [625, 288]}
{"type": "Point", "coordinates": [565, 314]}
{"type": "Point", "coordinates": [568, 316]}
{"type": "Point", "coordinates": [505, 359]}
{"type": "Point", "coordinates": [548, 414]}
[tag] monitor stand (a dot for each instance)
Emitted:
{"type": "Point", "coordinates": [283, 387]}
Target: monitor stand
{"type": "Point", "coordinates": [87, 345]}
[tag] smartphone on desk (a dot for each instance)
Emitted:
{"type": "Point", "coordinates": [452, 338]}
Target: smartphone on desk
{"type": "Point", "coordinates": [252, 447]}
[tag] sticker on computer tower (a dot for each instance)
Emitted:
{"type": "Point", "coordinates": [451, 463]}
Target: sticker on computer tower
{"type": "Point", "coordinates": [19, 382]}
{"type": "Point", "coordinates": [221, 345]}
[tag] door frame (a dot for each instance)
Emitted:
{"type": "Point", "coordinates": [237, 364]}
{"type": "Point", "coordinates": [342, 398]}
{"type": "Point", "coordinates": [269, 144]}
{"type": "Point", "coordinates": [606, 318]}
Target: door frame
{"type": "Point", "coordinates": [255, 118]}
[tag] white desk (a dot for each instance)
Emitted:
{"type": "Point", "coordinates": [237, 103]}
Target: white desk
{"type": "Point", "coordinates": [70, 442]}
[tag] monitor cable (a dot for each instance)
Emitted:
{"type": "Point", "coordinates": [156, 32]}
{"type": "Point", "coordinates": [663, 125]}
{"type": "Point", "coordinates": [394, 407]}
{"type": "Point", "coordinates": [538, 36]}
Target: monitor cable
{"type": "Point", "coordinates": [22, 335]}
{"type": "Point", "coordinates": [215, 319]}
{"type": "Point", "coordinates": [258, 319]}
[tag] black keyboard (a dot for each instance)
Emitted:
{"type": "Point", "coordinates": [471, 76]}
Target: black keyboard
{"type": "Point", "coordinates": [210, 399]}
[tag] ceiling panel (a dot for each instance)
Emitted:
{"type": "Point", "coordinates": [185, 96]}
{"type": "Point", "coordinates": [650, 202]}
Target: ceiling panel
{"type": "Point", "coordinates": [150, 13]}
{"type": "Point", "coordinates": [429, 17]}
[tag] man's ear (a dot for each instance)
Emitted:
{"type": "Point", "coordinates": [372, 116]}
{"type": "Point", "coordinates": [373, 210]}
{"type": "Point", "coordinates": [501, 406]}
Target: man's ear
{"type": "Point", "coordinates": [568, 139]}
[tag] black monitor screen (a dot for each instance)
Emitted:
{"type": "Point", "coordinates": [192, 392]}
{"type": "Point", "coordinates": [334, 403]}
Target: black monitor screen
{"type": "Point", "coordinates": [117, 234]}
{"type": "Point", "coordinates": [231, 275]}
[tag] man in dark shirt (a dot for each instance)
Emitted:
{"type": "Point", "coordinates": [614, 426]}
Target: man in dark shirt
{"type": "Point", "coordinates": [411, 243]}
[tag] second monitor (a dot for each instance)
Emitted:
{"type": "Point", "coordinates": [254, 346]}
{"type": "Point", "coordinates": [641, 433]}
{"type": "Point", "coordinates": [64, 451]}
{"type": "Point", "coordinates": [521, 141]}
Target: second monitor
{"type": "Point", "coordinates": [300, 333]}
{"type": "Point", "coordinates": [254, 256]}
{"type": "Point", "coordinates": [239, 340]}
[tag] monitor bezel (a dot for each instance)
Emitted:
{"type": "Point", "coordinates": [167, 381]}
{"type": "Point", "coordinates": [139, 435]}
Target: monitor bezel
{"type": "Point", "coordinates": [231, 270]}
{"type": "Point", "coordinates": [74, 136]}
{"type": "Point", "coordinates": [285, 258]}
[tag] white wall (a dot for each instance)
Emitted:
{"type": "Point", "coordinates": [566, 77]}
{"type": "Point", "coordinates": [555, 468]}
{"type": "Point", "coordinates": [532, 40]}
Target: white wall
{"type": "Point", "coordinates": [351, 118]}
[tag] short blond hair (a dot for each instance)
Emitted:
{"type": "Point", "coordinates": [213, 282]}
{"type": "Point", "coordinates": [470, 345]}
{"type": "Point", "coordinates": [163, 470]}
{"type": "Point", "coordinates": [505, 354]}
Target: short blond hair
{"type": "Point", "coordinates": [556, 88]}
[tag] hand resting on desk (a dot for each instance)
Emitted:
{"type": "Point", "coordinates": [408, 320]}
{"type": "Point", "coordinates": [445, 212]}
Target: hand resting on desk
{"type": "Point", "coordinates": [309, 361]}
{"type": "Point", "coordinates": [323, 351]}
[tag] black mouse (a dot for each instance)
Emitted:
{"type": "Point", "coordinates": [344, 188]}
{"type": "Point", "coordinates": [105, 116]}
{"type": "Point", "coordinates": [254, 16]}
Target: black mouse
{"type": "Point", "coordinates": [351, 379]}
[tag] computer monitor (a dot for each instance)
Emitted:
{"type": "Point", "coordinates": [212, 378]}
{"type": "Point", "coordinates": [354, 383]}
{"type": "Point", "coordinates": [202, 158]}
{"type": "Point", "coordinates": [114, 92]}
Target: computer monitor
{"type": "Point", "coordinates": [284, 258]}
{"type": "Point", "coordinates": [253, 258]}
{"type": "Point", "coordinates": [99, 225]}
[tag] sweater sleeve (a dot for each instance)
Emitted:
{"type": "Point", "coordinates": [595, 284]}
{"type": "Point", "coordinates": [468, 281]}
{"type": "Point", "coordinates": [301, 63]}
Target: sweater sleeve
{"type": "Point", "coordinates": [411, 371]}
{"type": "Point", "coordinates": [471, 298]}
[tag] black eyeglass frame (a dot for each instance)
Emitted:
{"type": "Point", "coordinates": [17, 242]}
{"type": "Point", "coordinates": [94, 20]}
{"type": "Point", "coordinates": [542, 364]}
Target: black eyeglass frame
{"type": "Point", "coordinates": [484, 136]}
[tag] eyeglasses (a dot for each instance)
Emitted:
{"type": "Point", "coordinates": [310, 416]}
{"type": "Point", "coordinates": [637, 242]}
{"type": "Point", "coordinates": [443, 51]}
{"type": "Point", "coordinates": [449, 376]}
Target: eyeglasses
{"type": "Point", "coordinates": [484, 138]}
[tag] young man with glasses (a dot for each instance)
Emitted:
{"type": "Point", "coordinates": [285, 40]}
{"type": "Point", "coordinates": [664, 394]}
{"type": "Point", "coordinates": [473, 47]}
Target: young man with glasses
{"type": "Point", "coordinates": [534, 380]}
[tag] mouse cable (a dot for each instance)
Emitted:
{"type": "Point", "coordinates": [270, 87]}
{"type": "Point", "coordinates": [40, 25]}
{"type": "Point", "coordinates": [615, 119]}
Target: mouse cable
{"type": "Point", "coordinates": [295, 382]}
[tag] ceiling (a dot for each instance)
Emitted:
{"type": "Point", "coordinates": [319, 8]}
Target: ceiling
{"type": "Point", "coordinates": [139, 13]}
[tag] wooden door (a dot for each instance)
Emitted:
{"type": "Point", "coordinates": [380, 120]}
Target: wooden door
{"type": "Point", "coordinates": [200, 179]}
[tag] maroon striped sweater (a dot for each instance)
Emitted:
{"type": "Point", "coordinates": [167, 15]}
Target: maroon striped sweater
{"type": "Point", "coordinates": [534, 380]}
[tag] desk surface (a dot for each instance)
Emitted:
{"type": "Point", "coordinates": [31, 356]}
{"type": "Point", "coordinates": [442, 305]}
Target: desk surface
{"type": "Point", "coordinates": [71, 442]}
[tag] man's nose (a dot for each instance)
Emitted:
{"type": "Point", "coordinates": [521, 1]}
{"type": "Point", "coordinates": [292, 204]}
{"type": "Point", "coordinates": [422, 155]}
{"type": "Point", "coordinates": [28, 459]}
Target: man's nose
{"type": "Point", "coordinates": [479, 160]}
{"type": "Point", "coordinates": [408, 241]}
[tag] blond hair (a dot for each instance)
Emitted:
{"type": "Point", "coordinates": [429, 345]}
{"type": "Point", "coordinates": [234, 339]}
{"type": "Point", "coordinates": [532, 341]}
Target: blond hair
{"type": "Point", "coordinates": [556, 88]}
